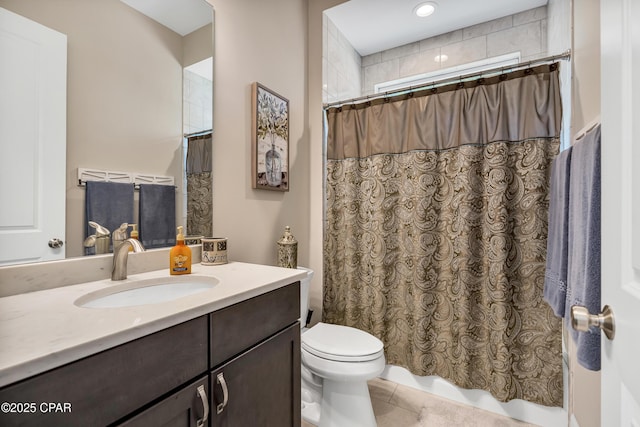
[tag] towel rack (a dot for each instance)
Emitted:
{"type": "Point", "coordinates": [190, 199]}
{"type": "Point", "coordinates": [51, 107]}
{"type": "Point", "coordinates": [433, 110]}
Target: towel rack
{"type": "Point", "coordinates": [85, 174]}
{"type": "Point", "coordinates": [587, 128]}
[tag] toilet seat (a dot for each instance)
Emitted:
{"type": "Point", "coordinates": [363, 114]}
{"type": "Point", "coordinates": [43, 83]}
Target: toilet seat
{"type": "Point", "coordinates": [341, 343]}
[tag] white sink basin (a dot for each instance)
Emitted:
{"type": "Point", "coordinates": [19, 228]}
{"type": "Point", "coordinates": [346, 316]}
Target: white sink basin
{"type": "Point", "coordinates": [145, 292]}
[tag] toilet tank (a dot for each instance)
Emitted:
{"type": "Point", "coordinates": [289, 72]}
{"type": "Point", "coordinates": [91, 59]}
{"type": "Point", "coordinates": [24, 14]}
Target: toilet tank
{"type": "Point", "coordinates": [305, 284]}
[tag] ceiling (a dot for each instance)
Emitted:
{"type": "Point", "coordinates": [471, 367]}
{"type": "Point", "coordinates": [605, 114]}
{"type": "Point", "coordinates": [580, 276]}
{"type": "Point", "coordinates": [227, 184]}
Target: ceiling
{"type": "Point", "coordinates": [181, 16]}
{"type": "Point", "coordinates": [376, 25]}
{"type": "Point", "coordinates": [370, 25]}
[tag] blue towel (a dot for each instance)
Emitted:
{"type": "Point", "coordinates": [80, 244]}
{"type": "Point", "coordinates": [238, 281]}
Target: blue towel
{"type": "Point", "coordinates": [583, 276]}
{"type": "Point", "coordinates": [555, 275]}
{"type": "Point", "coordinates": [157, 215]}
{"type": "Point", "coordinates": [109, 204]}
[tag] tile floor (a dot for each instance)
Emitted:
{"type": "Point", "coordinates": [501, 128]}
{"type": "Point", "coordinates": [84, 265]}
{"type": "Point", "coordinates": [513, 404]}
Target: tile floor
{"type": "Point", "coordinates": [396, 405]}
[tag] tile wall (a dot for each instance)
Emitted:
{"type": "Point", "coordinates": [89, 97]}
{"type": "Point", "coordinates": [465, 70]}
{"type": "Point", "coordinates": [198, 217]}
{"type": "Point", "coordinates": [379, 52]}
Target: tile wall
{"type": "Point", "coordinates": [197, 105]}
{"type": "Point", "coordinates": [525, 32]}
{"type": "Point", "coordinates": [341, 64]}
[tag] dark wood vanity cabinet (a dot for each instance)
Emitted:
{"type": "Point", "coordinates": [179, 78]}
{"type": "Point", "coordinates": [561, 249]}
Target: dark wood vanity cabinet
{"type": "Point", "coordinates": [170, 377]}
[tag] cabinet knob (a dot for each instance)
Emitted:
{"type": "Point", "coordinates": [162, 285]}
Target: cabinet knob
{"type": "Point", "coordinates": [202, 394]}
{"type": "Point", "coordinates": [225, 393]}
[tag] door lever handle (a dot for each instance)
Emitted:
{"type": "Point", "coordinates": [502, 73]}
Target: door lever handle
{"type": "Point", "coordinates": [581, 320]}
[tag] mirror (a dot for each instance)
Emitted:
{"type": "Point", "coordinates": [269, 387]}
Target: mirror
{"type": "Point", "coordinates": [124, 90]}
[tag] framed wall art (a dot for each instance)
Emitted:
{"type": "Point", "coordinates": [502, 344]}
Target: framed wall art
{"type": "Point", "coordinates": [270, 139]}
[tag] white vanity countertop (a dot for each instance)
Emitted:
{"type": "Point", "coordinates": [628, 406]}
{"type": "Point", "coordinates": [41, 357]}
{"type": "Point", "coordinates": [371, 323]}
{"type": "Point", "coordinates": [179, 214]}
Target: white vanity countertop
{"type": "Point", "coordinates": [45, 329]}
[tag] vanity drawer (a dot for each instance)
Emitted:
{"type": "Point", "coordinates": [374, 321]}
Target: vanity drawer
{"type": "Point", "coordinates": [107, 386]}
{"type": "Point", "coordinates": [236, 328]}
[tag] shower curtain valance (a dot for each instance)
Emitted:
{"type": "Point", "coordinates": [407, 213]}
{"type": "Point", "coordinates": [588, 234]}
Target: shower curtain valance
{"type": "Point", "coordinates": [515, 106]}
{"type": "Point", "coordinates": [199, 149]}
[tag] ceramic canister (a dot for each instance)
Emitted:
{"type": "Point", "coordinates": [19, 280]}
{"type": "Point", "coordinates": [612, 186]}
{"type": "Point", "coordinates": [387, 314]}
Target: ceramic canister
{"type": "Point", "coordinates": [193, 240]}
{"type": "Point", "coordinates": [288, 250]}
{"type": "Point", "coordinates": [214, 250]}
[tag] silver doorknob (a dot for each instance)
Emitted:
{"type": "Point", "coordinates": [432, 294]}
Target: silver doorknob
{"type": "Point", "coordinates": [55, 243]}
{"type": "Point", "coordinates": [581, 320]}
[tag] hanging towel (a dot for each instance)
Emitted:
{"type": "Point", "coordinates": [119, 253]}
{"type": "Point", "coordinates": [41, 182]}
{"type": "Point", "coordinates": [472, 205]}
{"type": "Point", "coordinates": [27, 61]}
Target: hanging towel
{"type": "Point", "coordinates": [157, 215]}
{"type": "Point", "coordinates": [583, 275]}
{"type": "Point", "coordinates": [555, 275]}
{"type": "Point", "coordinates": [109, 204]}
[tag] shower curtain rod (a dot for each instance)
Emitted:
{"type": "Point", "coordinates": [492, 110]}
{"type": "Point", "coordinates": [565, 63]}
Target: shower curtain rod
{"type": "Point", "coordinates": [436, 83]}
{"type": "Point", "coordinates": [198, 133]}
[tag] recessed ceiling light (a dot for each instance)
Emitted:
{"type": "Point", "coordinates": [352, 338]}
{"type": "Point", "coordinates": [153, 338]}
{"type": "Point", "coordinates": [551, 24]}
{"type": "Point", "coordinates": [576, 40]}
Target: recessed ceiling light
{"type": "Point", "coordinates": [440, 58]}
{"type": "Point", "coordinates": [424, 9]}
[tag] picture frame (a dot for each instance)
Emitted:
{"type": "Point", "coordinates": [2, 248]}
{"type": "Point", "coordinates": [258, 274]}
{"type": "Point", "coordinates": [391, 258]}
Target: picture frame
{"type": "Point", "coordinates": [270, 139]}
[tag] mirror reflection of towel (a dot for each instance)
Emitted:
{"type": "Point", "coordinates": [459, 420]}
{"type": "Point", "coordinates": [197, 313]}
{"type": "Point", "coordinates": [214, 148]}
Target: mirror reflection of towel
{"type": "Point", "coordinates": [157, 215]}
{"type": "Point", "coordinates": [109, 204]}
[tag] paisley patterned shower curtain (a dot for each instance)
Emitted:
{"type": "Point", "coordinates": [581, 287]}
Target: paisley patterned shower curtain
{"type": "Point", "coordinates": [436, 227]}
{"type": "Point", "coordinates": [199, 194]}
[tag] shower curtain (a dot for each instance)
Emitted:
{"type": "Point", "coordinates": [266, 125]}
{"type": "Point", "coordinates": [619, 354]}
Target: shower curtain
{"type": "Point", "coordinates": [436, 226]}
{"type": "Point", "coordinates": [199, 194]}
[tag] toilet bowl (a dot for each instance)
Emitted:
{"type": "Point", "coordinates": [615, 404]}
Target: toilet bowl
{"type": "Point", "coordinates": [337, 362]}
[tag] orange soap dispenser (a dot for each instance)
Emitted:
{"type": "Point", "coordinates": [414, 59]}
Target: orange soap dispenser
{"type": "Point", "coordinates": [133, 235]}
{"type": "Point", "coordinates": [180, 256]}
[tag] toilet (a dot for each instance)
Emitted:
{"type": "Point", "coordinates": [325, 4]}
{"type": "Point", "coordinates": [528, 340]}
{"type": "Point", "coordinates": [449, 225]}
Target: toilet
{"type": "Point", "coordinates": [337, 362]}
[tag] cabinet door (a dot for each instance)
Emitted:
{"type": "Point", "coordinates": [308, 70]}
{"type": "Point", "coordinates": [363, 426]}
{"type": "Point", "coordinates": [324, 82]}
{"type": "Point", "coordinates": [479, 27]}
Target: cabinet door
{"type": "Point", "coordinates": [188, 407]}
{"type": "Point", "coordinates": [260, 387]}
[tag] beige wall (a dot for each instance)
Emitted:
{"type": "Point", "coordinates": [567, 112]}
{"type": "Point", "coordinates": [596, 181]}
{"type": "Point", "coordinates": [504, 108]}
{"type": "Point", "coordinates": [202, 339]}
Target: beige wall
{"type": "Point", "coordinates": [316, 167]}
{"type": "Point", "coordinates": [197, 45]}
{"type": "Point", "coordinates": [584, 392]}
{"type": "Point", "coordinates": [263, 42]}
{"type": "Point", "coordinates": [586, 63]}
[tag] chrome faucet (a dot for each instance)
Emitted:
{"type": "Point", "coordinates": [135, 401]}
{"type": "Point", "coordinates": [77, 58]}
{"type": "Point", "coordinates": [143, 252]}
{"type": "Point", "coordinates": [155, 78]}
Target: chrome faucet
{"type": "Point", "coordinates": [120, 257]}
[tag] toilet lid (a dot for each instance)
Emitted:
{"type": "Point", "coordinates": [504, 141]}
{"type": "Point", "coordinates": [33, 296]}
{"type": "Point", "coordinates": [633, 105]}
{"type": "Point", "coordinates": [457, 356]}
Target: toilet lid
{"type": "Point", "coordinates": [341, 343]}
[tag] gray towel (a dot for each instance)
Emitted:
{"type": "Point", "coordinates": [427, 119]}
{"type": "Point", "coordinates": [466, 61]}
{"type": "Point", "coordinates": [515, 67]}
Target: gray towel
{"type": "Point", "coordinates": [583, 276]}
{"type": "Point", "coordinates": [109, 204]}
{"type": "Point", "coordinates": [555, 275]}
{"type": "Point", "coordinates": [157, 215]}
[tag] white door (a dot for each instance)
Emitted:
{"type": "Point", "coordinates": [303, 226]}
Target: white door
{"type": "Point", "coordinates": [620, 113]}
{"type": "Point", "coordinates": [33, 115]}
